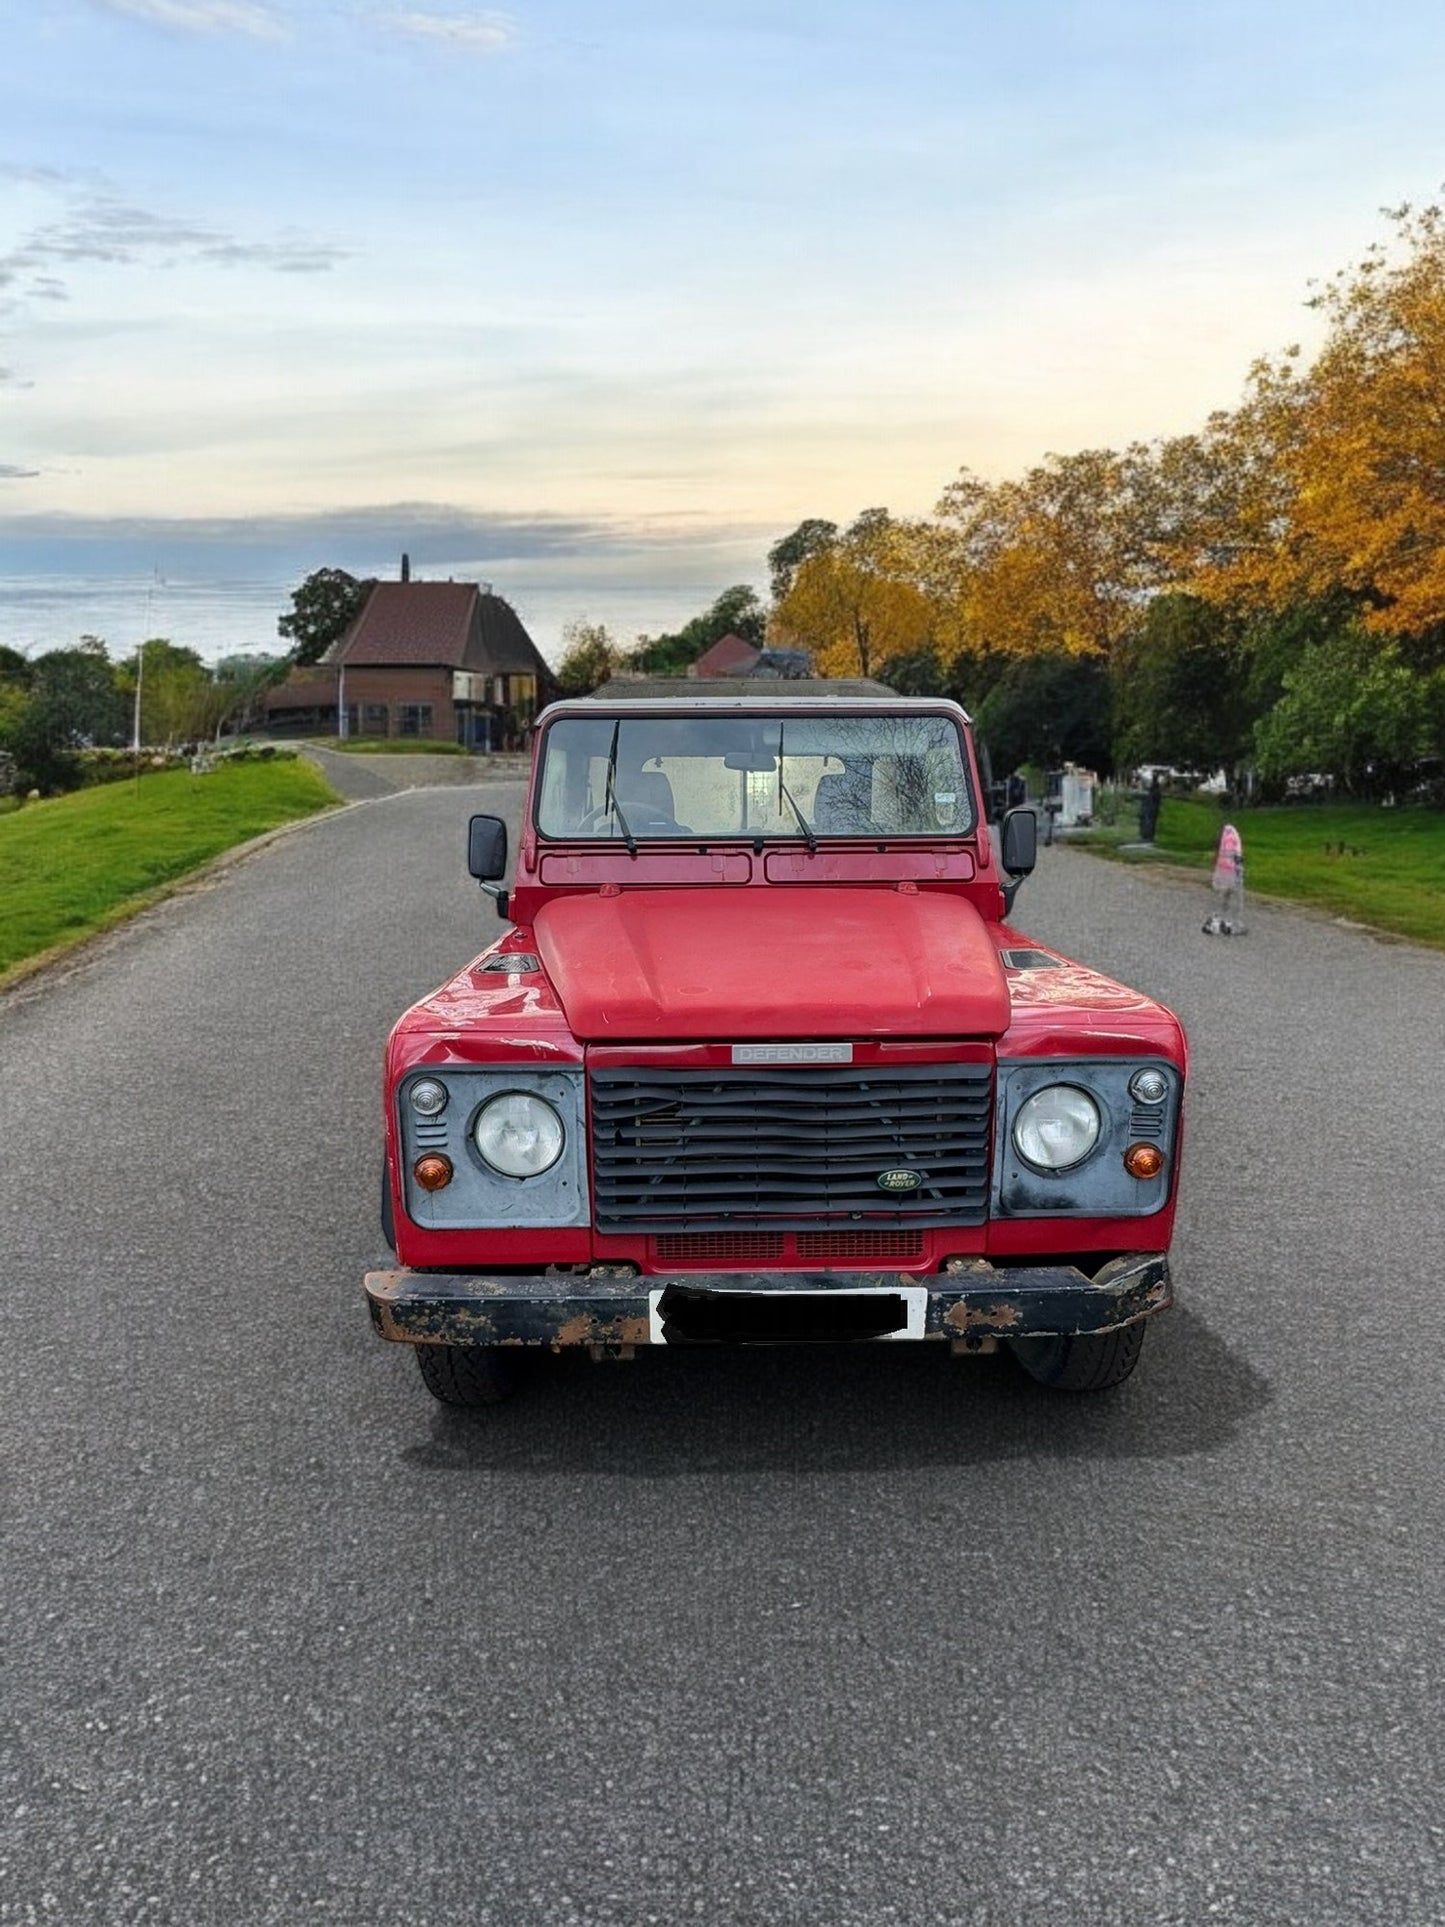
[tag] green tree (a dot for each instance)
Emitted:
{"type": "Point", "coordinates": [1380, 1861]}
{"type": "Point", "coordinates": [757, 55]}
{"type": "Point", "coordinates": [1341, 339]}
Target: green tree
{"type": "Point", "coordinates": [177, 692]}
{"type": "Point", "coordinates": [1276, 640]}
{"type": "Point", "coordinates": [1050, 710]}
{"type": "Point", "coordinates": [589, 658]}
{"type": "Point", "coordinates": [14, 668]}
{"type": "Point", "coordinates": [737, 612]}
{"type": "Point", "coordinates": [244, 679]}
{"type": "Point", "coordinates": [14, 705]}
{"type": "Point", "coordinates": [73, 700]}
{"type": "Point", "coordinates": [1354, 710]}
{"type": "Point", "coordinates": [322, 610]}
{"type": "Point", "coordinates": [917, 672]}
{"type": "Point", "coordinates": [1181, 689]}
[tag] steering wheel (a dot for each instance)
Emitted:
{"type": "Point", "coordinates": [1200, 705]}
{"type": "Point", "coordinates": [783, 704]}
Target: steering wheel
{"type": "Point", "coordinates": [651, 822]}
{"type": "Point", "coordinates": [654, 823]}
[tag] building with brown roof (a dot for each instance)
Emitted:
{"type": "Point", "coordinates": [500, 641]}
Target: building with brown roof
{"type": "Point", "coordinates": [730, 655]}
{"type": "Point", "coordinates": [449, 661]}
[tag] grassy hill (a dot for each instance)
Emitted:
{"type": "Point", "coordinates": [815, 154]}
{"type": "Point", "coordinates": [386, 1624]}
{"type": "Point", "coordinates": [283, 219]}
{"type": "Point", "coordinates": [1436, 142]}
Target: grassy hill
{"type": "Point", "coordinates": [78, 863]}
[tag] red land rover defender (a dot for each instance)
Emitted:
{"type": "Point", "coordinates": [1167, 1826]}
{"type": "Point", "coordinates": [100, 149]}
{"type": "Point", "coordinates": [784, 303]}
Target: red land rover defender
{"type": "Point", "coordinates": [758, 1059]}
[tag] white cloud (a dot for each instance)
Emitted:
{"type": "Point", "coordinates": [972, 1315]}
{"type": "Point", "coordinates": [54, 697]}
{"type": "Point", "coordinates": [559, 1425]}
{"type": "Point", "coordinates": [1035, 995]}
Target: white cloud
{"type": "Point", "coordinates": [103, 229]}
{"type": "Point", "coordinates": [203, 16]}
{"type": "Point", "coordinates": [477, 33]}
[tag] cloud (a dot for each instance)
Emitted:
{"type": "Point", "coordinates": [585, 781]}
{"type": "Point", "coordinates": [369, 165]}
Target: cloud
{"type": "Point", "coordinates": [284, 257]}
{"type": "Point", "coordinates": [434, 533]}
{"type": "Point", "coordinates": [29, 176]}
{"type": "Point", "coordinates": [476, 33]}
{"type": "Point", "coordinates": [100, 228]}
{"type": "Point", "coordinates": [439, 536]}
{"type": "Point", "coordinates": [107, 230]}
{"type": "Point", "coordinates": [10, 473]}
{"type": "Point", "coordinates": [202, 16]}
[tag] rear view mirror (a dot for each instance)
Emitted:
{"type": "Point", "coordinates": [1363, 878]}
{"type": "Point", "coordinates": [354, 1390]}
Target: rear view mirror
{"type": "Point", "coordinates": [487, 848]}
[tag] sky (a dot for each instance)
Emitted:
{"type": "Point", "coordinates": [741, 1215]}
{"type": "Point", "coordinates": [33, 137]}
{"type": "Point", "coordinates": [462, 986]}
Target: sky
{"type": "Point", "coordinates": [594, 304]}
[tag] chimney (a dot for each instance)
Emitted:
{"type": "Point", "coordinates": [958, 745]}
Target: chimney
{"type": "Point", "coordinates": [405, 566]}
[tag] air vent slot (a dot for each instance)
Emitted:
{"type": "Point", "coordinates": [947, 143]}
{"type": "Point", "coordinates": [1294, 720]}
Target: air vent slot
{"type": "Point", "coordinates": [1029, 960]}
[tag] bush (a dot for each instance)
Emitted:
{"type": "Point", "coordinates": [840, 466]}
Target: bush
{"type": "Point", "coordinates": [118, 765]}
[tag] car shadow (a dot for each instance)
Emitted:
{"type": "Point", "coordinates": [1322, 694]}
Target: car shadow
{"type": "Point", "coordinates": [672, 1413]}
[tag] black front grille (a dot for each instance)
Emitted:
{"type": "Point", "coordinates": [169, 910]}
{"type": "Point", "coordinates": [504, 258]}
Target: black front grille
{"type": "Point", "coordinates": [789, 1149]}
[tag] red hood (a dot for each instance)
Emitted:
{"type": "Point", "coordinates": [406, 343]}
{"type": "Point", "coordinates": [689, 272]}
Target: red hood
{"type": "Point", "coordinates": [659, 965]}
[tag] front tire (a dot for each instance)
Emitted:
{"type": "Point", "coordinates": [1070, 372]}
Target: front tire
{"type": "Point", "coordinates": [469, 1376]}
{"type": "Point", "coordinates": [1085, 1362]}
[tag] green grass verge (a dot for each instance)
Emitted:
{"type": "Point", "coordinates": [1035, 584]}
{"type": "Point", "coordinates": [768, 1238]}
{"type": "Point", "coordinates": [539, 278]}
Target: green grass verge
{"type": "Point", "coordinates": [78, 863]}
{"type": "Point", "coordinates": [1390, 873]}
{"type": "Point", "coordinates": [387, 746]}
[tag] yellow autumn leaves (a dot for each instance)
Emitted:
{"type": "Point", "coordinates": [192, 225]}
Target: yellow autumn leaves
{"type": "Point", "coordinates": [1327, 479]}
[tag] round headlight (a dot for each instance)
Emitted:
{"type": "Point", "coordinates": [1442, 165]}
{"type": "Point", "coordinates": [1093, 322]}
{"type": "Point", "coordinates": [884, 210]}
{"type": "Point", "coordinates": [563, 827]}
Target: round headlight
{"type": "Point", "coordinates": [519, 1135]}
{"type": "Point", "coordinates": [1057, 1127]}
{"type": "Point", "coordinates": [427, 1097]}
{"type": "Point", "coordinates": [1149, 1086]}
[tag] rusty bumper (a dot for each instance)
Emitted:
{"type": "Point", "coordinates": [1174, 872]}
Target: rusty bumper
{"type": "Point", "coordinates": [973, 1304]}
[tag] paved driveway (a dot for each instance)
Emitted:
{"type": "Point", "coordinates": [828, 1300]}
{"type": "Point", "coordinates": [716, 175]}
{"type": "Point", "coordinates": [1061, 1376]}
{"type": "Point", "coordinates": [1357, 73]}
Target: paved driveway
{"type": "Point", "coordinates": [842, 1637]}
{"type": "Point", "coordinates": [356, 775]}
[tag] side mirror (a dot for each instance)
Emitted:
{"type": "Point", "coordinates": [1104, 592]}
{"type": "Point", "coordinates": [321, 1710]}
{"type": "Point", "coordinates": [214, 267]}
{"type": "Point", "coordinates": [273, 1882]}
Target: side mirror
{"type": "Point", "coordinates": [487, 856]}
{"type": "Point", "coordinates": [1019, 847]}
{"type": "Point", "coordinates": [487, 848]}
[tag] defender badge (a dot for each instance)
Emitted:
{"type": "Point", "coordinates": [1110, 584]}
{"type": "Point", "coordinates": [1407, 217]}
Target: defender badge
{"type": "Point", "coordinates": [899, 1180]}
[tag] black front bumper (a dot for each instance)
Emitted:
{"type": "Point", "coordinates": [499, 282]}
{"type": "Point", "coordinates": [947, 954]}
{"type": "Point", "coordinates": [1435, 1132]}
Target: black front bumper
{"type": "Point", "coordinates": [972, 1305]}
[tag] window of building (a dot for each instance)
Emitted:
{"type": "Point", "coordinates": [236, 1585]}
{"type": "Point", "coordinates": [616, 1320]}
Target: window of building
{"type": "Point", "coordinates": [374, 719]}
{"type": "Point", "coordinates": [413, 719]}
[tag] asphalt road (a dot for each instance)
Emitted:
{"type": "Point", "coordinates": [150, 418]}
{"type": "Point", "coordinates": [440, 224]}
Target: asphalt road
{"type": "Point", "coordinates": [865, 1636]}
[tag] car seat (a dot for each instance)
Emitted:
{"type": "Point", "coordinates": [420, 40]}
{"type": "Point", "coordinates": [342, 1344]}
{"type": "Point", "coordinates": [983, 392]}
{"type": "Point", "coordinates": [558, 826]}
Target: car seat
{"type": "Point", "coordinates": [841, 803]}
{"type": "Point", "coordinates": [646, 800]}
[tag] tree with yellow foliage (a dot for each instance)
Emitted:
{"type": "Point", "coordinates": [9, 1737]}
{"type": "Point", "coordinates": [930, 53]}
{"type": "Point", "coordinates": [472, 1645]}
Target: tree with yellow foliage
{"type": "Point", "coordinates": [1052, 562]}
{"type": "Point", "coordinates": [852, 603]}
{"type": "Point", "coordinates": [1332, 477]}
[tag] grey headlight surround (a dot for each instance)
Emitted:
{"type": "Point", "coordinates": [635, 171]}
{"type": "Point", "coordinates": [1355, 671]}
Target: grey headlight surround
{"type": "Point", "coordinates": [479, 1198]}
{"type": "Point", "coordinates": [1098, 1186]}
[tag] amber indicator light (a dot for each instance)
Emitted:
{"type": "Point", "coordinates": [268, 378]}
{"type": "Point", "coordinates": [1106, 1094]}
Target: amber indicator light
{"type": "Point", "coordinates": [432, 1172]}
{"type": "Point", "coordinates": [1143, 1160]}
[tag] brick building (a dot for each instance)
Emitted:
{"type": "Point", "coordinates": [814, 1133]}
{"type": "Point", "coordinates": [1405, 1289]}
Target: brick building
{"type": "Point", "coordinates": [449, 661]}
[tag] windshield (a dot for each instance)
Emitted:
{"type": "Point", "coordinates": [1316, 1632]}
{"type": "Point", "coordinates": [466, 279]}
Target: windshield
{"type": "Point", "coordinates": [636, 778]}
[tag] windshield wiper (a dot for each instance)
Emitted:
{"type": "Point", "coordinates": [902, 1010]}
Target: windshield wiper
{"type": "Point", "coordinates": [803, 824]}
{"type": "Point", "coordinates": [609, 795]}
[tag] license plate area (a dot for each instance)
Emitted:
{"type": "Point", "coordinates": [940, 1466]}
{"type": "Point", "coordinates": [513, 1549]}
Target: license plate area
{"type": "Point", "coordinates": [684, 1315]}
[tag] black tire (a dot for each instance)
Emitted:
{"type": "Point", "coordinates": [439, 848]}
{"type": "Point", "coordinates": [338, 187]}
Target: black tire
{"type": "Point", "coordinates": [1087, 1362]}
{"type": "Point", "coordinates": [467, 1375]}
